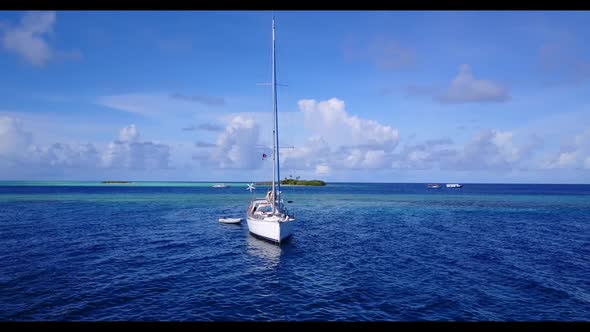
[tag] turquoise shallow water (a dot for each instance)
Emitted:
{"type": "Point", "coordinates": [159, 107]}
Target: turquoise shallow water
{"type": "Point", "coordinates": [131, 184]}
{"type": "Point", "coordinates": [390, 252]}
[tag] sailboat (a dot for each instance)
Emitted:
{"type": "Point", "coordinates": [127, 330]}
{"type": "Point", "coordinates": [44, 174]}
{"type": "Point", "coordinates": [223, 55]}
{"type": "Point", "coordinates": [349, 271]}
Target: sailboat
{"type": "Point", "coordinates": [268, 217]}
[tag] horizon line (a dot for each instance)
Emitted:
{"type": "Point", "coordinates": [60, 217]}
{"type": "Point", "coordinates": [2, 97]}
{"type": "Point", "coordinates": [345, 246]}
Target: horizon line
{"type": "Point", "coordinates": [327, 182]}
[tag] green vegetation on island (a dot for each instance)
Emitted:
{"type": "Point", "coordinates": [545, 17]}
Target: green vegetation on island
{"type": "Point", "coordinates": [120, 182]}
{"type": "Point", "coordinates": [296, 182]}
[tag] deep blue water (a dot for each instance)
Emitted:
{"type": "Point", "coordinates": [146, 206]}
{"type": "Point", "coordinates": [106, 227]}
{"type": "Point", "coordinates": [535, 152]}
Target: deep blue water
{"type": "Point", "coordinates": [360, 252]}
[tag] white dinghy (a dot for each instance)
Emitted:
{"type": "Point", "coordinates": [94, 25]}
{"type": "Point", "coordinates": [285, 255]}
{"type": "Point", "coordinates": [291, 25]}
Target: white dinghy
{"type": "Point", "coordinates": [230, 220]}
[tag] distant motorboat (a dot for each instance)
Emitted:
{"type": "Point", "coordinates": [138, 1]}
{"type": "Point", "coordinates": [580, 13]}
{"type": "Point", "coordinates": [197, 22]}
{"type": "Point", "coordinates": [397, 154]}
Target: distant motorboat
{"type": "Point", "coordinates": [230, 220]}
{"type": "Point", "coordinates": [220, 185]}
{"type": "Point", "coordinates": [433, 186]}
{"type": "Point", "coordinates": [454, 185]}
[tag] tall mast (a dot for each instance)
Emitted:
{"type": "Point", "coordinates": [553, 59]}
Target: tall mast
{"type": "Point", "coordinates": [275, 138]}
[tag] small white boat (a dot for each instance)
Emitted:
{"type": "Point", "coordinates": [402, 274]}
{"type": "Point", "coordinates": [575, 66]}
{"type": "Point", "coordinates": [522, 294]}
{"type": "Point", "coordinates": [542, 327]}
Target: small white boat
{"type": "Point", "coordinates": [220, 185]}
{"type": "Point", "coordinates": [230, 220]}
{"type": "Point", "coordinates": [454, 185]}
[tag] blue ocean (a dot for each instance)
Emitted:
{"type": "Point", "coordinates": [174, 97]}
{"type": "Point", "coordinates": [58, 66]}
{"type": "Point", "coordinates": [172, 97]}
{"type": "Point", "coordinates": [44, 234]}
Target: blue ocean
{"type": "Point", "coordinates": [155, 251]}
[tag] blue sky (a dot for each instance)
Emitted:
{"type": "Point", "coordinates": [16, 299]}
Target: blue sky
{"type": "Point", "coordinates": [384, 96]}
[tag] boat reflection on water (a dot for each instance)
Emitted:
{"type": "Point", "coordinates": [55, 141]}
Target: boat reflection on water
{"type": "Point", "coordinates": [270, 252]}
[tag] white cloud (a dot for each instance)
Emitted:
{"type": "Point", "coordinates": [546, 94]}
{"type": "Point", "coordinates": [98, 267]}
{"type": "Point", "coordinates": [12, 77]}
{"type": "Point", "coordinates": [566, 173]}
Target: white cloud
{"type": "Point", "coordinates": [18, 149]}
{"type": "Point", "coordinates": [14, 140]}
{"type": "Point", "coordinates": [465, 88]}
{"type": "Point", "coordinates": [129, 152]}
{"type": "Point", "coordinates": [490, 150]}
{"type": "Point", "coordinates": [336, 140]}
{"type": "Point", "coordinates": [424, 155]}
{"type": "Point", "coordinates": [330, 120]}
{"type": "Point", "coordinates": [64, 155]}
{"type": "Point", "coordinates": [159, 104]}
{"type": "Point", "coordinates": [339, 140]}
{"type": "Point", "coordinates": [129, 134]}
{"type": "Point", "coordinates": [306, 156]}
{"type": "Point", "coordinates": [575, 154]}
{"type": "Point", "coordinates": [375, 159]}
{"type": "Point", "coordinates": [503, 140]}
{"type": "Point", "coordinates": [566, 159]}
{"type": "Point", "coordinates": [29, 39]}
{"type": "Point", "coordinates": [236, 147]}
{"type": "Point", "coordinates": [143, 104]}
{"type": "Point", "coordinates": [322, 169]}
{"type": "Point", "coordinates": [352, 158]}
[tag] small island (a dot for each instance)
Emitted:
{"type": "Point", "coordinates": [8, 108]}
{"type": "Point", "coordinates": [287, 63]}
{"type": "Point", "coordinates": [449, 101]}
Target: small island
{"type": "Point", "coordinates": [116, 182]}
{"type": "Point", "coordinates": [296, 182]}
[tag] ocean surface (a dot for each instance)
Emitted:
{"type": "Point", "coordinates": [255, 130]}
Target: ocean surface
{"type": "Point", "coordinates": [154, 251]}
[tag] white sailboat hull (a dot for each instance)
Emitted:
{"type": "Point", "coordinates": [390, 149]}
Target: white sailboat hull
{"type": "Point", "coordinates": [272, 230]}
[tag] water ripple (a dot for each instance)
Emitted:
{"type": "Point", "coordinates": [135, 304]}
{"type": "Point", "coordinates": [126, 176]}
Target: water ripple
{"type": "Point", "coordinates": [360, 252]}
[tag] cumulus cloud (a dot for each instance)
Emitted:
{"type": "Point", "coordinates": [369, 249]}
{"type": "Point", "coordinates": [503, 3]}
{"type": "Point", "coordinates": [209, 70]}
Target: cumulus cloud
{"type": "Point", "coordinates": [29, 39]}
{"type": "Point", "coordinates": [322, 169]}
{"type": "Point", "coordinates": [14, 140]}
{"type": "Point", "coordinates": [64, 155]}
{"type": "Point", "coordinates": [489, 150]}
{"type": "Point", "coordinates": [425, 155]}
{"type": "Point", "coordinates": [573, 154]}
{"type": "Point", "coordinates": [464, 88]}
{"type": "Point", "coordinates": [129, 134]}
{"type": "Point", "coordinates": [562, 160]}
{"type": "Point", "coordinates": [17, 148]}
{"type": "Point", "coordinates": [339, 140]}
{"type": "Point", "coordinates": [308, 156]}
{"type": "Point", "coordinates": [375, 159]}
{"type": "Point", "coordinates": [236, 146]}
{"type": "Point", "coordinates": [330, 120]}
{"type": "Point", "coordinates": [129, 152]}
